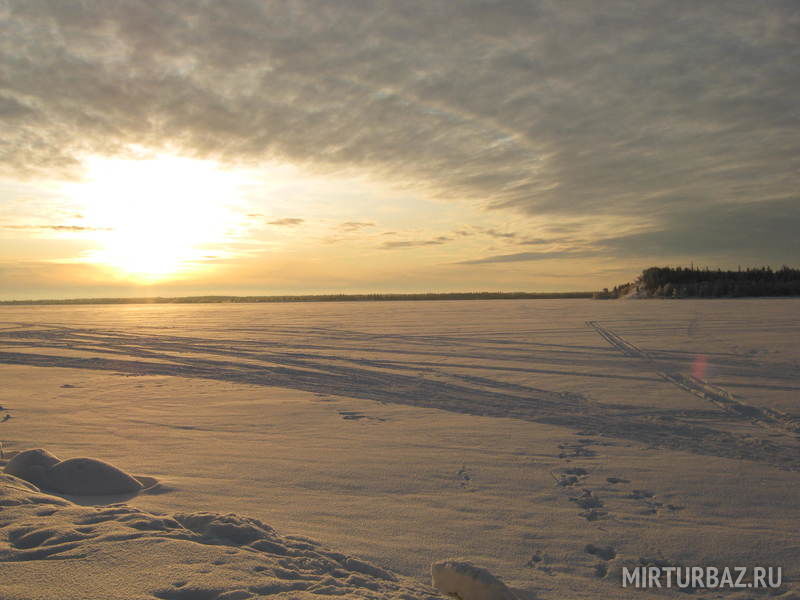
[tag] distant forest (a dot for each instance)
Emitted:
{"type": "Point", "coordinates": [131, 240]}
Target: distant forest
{"type": "Point", "coordinates": [655, 282]}
{"type": "Point", "coordinates": [682, 282]}
{"type": "Point", "coordinates": [314, 298]}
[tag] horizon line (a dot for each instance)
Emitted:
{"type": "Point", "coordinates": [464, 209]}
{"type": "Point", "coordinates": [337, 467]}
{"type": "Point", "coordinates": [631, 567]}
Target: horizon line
{"type": "Point", "coordinates": [280, 298]}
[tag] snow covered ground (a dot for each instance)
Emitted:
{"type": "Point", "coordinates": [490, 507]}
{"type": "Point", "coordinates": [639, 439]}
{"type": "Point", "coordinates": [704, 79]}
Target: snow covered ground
{"type": "Point", "coordinates": [550, 441]}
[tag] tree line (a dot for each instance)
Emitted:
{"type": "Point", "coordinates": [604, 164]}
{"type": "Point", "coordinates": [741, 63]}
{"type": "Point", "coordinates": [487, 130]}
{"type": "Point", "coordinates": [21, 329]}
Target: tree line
{"type": "Point", "coordinates": [315, 298]}
{"type": "Point", "coordinates": [691, 282]}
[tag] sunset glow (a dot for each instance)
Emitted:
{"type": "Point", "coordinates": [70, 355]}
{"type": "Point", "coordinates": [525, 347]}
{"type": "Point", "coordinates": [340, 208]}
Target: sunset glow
{"type": "Point", "coordinates": [157, 217]}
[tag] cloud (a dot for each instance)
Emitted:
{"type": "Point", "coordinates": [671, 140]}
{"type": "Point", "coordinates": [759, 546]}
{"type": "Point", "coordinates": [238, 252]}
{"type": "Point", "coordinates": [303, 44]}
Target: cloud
{"type": "Point", "coordinates": [356, 225]}
{"type": "Point", "coordinates": [728, 233]}
{"type": "Point", "coordinates": [467, 232]}
{"type": "Point", "coordinates": [437, 241]}
{"type": "Point", "coordinates": [287, 222]}
{"type": "Point", "coordinates": [765, 231]}
{"type": "Point", "coordinates": [528, 256]}
{"type": "Point", "coordinates": [12, 110]}
{"type": "Point", "coordinates": [541, 241]}
{"type": "Point", "coordinates": [616, 109]}
{"type": "Point", "coordinates": [56, 227]}
{"type": "Point", "coordinates": [506, 235]}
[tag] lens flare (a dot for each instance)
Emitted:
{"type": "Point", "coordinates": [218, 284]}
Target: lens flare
{"type": "Point", "coordinates": [700, 366]}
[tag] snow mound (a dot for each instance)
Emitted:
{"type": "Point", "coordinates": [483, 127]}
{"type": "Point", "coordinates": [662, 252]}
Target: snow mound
{"type": "Point", "coordinates": [468, 582]}
{"type": "Point", "coordinates": [75, 476]}
{"type": "Point", "coordinates": [31, 465]}
{"type": "Point", "coordinates": [51, 548]}
{"type": "Point", "coordinates": [89, 476]}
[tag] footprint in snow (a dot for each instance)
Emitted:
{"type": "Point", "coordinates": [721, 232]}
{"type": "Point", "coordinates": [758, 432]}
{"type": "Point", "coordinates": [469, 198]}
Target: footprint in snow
{"type": "Point", "coordinates": [463, 476]}
{"type": "Point", "coordinates": [352, 415]}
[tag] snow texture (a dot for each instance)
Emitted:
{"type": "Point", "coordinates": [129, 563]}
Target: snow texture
{"type": "Point", "coordinates": [468, 582]}
{"type": "Point", "coordinates": [183, 556]}
{"type": "Point", "coordinates": [552, 442]}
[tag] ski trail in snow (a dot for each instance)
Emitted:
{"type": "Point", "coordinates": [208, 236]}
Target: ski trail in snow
{"type": "Point", "coordinates": [701, 388]}
{"type": "Point", "coordinates": [486, 376]}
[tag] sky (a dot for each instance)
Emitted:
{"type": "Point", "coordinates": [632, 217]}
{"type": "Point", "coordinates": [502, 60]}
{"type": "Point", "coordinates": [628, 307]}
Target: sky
{"type": "Point", "coordinates": [242, 147]}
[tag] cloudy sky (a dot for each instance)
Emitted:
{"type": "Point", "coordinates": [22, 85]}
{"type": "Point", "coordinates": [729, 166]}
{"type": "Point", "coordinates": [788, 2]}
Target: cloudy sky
{"type": "Point", "coordinates": [244, 147]}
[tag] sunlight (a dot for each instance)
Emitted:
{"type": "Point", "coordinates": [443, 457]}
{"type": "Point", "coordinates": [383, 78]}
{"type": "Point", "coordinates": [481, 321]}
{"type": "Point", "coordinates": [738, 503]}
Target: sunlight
{"type": "Point", "coordinates": [160, 217]}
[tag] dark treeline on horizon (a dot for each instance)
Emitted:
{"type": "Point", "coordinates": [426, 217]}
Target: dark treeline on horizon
{"type": "Point", "coordinates": [313, 298]}
{"type": "Point", "coordinates": [654, 282]}
{"type": "Point", "coordinates": [691, 282]}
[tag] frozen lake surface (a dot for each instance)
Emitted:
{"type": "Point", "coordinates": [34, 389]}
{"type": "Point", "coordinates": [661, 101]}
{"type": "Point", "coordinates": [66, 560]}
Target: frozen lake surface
{"type": "Point", "coordinates": [514, 433]}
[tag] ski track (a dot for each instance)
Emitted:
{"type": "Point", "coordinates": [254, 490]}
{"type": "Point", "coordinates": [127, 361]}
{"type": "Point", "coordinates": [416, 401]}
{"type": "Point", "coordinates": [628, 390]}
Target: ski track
{"type": "Point", "coordinates": [701, 388]}
{"type": "Point", "coordinates": [486, 373]}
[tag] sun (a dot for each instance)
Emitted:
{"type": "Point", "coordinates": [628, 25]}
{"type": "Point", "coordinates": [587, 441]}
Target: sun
{"type": "Point", "coordinates": [159, 217]}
